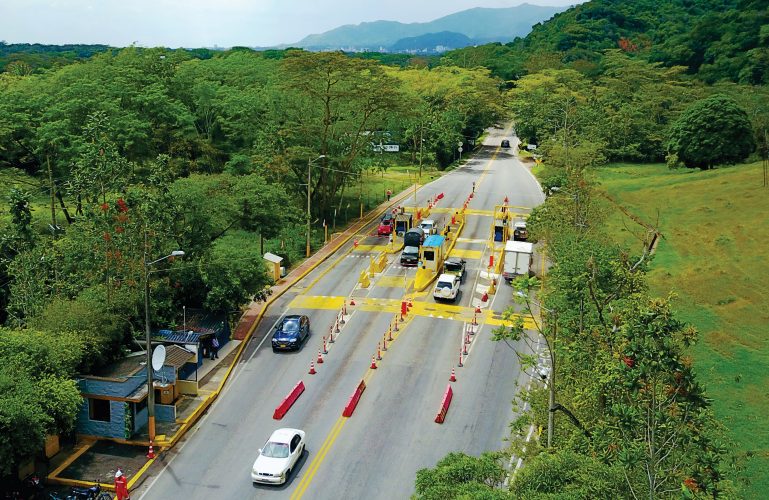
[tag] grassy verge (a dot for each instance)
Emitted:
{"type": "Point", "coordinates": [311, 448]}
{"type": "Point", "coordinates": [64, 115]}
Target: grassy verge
{"type": "Point", "coordinates": [713, 257]}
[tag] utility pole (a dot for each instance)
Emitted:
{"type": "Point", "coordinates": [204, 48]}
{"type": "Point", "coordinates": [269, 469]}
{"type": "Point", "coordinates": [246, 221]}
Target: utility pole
{"type": "Point", "coordinates": [309, 164]}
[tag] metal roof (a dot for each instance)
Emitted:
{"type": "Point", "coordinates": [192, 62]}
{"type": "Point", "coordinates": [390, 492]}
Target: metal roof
{"type": "Point", "coordinates": [435, 240]}
{"type": "Point", "coordinates": [177, 356]}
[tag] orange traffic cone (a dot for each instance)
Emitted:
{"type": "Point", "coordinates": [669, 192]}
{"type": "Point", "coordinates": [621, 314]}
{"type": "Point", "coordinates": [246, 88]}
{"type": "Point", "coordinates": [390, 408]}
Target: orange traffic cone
{"type": "Point", "coordinates": [378, 352]}
{"type": "Point", "coordinates": [460, 359]}
{"type": "Point", "coordinates": [373, 363]}
{"type": "Point", "coordinates": [485, 297]}
{"type": "Point", "coordinates": [352, 302]}
{"type": "Point", "coordinates": [453, 377]}
{"type": "Point", "coordinates": [151, 451]}
{"type": "Point", "coordinates": [464, 349]}
{"type": "Point", "coordinates": [312, 368]}
{"type": "Point", "coordinates": [320, 358]}
{"type": "Point", "coordinates": [384, 342]}
{"type": "Point", "coordinates": [325, 350]}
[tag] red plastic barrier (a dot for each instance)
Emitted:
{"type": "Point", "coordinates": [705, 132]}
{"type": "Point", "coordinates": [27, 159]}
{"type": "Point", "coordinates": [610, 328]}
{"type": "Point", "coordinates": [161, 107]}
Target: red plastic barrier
{"type": "Point", "coordinates": [444, 405]}
{"type": "Point", "coordinates": [284, 406]}
{"type": "Point", "coordinates": [353, 402]}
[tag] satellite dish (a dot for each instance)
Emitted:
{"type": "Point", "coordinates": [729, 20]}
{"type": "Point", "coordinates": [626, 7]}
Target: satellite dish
{"type": "Point", "coordinates": [158, 357]}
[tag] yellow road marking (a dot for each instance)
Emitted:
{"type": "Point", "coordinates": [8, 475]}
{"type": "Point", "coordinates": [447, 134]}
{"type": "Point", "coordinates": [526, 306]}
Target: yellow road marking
{"type": "Point", "coordinates": [370, 248]}
{"type": "Point", "coordinates": [466, 254]}
{"type": "Point", "coordinates": [313, 467]}
{"type": "Point", "coordinates": [393, 306]}
{"type": "Point", "coordinates": [392, 282]}
{"type": "Point", "coordinates": [316, 302]}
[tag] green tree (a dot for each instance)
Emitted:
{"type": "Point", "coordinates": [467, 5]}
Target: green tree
{"type": "Point", "coordinates": [458, 475]}
{"type": "Point", "coordinates": [565, 474]}
{"type": "Point", "coordinates": [710, 132]}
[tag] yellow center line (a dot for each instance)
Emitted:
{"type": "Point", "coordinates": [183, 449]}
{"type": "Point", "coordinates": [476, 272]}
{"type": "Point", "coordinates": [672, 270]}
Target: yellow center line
{"type": "Point", "coordinates": [313, 467]}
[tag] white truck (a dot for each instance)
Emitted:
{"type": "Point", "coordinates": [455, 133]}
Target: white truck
{"type": "Point", "coordinates": [518, 258]}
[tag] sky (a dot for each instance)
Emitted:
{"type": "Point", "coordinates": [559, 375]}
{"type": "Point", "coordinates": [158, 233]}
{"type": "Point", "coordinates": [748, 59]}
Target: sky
{"type": "Point", "coordinates": [209, 23]}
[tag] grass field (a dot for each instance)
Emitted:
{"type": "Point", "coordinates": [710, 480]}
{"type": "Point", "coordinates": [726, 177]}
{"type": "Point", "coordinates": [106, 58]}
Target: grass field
{"type": "Point", "coordinates": [715, 258]}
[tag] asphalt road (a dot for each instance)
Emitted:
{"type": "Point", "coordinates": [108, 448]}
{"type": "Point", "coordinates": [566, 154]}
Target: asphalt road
{"type": "Point", "coordinates": [392, 434]}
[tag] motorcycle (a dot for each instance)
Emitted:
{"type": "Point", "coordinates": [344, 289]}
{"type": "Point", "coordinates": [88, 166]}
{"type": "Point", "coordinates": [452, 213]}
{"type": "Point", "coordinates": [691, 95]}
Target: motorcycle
{"type": "Point", "coordinates": [91, 493]}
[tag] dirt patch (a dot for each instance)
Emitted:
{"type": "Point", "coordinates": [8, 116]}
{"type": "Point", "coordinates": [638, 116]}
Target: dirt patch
{"type": "Point", "coordinates": [101, 461]}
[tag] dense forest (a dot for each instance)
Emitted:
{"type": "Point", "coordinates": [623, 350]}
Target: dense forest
{"type": "Point", "coordinates": [122, 158]}
{"type": "Point", "coordinates": [114, 157]}
{"type": "Point", "coordinates": [716, 40]}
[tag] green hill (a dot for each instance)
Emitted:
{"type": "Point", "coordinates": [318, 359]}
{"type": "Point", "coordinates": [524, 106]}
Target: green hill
{"type": "Point", "coordinates": [712, 256]}
{"type": "Point", "coordinates": [480, 24]}
{"type": "Point", "coordinates": [715, 39]}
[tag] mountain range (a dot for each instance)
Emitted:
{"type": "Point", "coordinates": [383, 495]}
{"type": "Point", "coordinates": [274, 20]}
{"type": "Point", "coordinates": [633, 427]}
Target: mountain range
{"type": "Point", "coordinates": [461, 29]}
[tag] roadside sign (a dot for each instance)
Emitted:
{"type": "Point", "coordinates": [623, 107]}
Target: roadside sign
{"type": "Point", "coordinates": [460, 149]}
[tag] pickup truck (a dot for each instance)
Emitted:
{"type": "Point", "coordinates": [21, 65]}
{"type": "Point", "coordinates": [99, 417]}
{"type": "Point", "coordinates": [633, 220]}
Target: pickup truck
{"type": "Point", "coordinates": [447, 287]}
{"type": "Point", "coordinates": [520, 233]}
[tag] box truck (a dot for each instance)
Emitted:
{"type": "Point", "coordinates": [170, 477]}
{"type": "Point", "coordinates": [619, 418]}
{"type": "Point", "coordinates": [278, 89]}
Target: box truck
{"type": "Point", "coordinates": [518, 258]}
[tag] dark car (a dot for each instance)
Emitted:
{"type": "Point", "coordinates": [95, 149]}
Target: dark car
{"type": "Point", "coordinates": [505, 143]}
{"type": "Point", "coordinates": [455, 266]}
{"type": "Point", "coordinates": [410, 256]}
{"type": "Point", "coordinates": [291, 333]}
{"type": "Point", "coordinates": [414, 237]}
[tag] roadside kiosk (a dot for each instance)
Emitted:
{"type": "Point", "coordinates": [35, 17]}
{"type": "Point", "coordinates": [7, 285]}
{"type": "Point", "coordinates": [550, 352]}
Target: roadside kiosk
{"type": "Point", "coordinates": [432, 253]}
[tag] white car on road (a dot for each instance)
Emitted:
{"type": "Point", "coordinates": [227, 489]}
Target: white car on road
{"type": "Point", "coordinates": [278, 457]}
{"type": "Point", "coordinates": [428, 226]}
{"type": "Point", "coordinates": [447, 287]}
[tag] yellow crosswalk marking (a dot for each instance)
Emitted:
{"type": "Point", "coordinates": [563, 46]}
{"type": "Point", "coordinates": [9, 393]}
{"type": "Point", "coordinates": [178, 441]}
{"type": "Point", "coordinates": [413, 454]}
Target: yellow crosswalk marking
{"type": "Point", "coordinates": [466, 254]}
{"type": "Point", "coordinates": [424, 309]}
{"type": "Point", "coordinates": [317, 302]}
{"type": "Point", "coordinates": [393, 282]}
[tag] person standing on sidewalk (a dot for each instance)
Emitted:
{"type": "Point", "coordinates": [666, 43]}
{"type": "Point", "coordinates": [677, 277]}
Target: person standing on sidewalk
{"type": "Point", "coordinates": [389, 193]}
{"type": "Point", "coordinates": [214, 348]}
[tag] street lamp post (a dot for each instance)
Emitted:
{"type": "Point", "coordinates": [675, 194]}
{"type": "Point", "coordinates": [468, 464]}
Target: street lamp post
{"type": "Point", "coordinates": [150, 387]}
{"type": "Point", "coordinates": [309, 181]}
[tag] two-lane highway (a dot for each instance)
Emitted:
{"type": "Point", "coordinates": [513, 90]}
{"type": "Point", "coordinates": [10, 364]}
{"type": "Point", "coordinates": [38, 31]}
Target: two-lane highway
{"type": "Point", "coordinates": [376, 452]}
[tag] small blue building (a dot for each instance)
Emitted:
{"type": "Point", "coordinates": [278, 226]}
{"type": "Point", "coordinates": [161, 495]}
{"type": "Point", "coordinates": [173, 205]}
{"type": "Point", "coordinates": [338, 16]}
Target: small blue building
{"type": "Point", "coordinates": [115, 399]}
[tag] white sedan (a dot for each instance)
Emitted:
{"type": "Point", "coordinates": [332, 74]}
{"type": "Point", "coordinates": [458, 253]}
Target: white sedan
{"type": "Point", "coordinates": [278, 457]}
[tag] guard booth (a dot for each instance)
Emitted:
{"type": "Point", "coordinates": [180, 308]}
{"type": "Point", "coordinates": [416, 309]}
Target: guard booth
{"type": "Point", "coordinates": [501, 230]}
{"type": "Point", "coordinates": [403, 222]}
{"type": "Point", "coordinates": [431, 253]}
{"type": "Point", "coordinates": [274, 265]}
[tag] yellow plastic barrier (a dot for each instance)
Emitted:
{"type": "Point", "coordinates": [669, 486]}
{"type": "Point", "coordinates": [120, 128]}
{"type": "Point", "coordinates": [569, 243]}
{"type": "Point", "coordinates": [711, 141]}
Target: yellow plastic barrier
{"type": "Point", "coordinates": [382, 262]}
{"type": "Point", "coordinates": [364, 279]}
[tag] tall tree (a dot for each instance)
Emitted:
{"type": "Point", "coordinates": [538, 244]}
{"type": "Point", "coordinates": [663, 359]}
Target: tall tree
{"type": "Point", "coordinates": [712, 131]}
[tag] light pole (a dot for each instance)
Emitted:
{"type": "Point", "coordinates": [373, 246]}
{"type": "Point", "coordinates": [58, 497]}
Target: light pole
{"type": "Point", "coordinates": [309, 180]}
{"type": "Point", "coordinates": [150, 388]}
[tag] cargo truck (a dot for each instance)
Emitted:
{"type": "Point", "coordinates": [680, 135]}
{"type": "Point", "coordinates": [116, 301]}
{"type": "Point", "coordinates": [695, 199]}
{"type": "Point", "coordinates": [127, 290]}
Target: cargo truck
{"type": "Point", "coordinates": [519, 256]}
